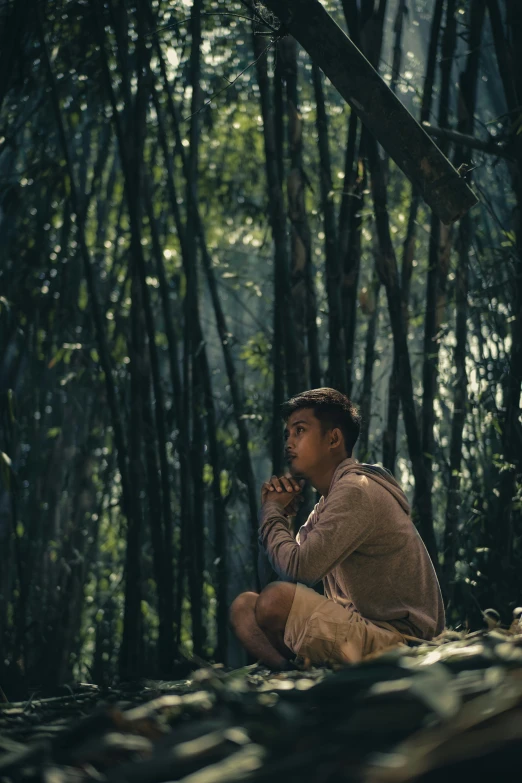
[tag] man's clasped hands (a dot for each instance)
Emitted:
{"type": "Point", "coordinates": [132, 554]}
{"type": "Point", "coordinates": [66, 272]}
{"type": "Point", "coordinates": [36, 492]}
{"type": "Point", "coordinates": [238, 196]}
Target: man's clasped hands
{"type": "Point", "coordinates": [285, 491]}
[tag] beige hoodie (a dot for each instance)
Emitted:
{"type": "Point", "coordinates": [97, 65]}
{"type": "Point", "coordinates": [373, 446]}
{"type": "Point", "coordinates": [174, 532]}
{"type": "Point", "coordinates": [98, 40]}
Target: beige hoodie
{"type": "Point", "coordinates": [361, 542]}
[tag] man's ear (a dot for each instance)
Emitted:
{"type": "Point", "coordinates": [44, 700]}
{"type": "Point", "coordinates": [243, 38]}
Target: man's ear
{"type": "Point", "coordinates": [336, 438]}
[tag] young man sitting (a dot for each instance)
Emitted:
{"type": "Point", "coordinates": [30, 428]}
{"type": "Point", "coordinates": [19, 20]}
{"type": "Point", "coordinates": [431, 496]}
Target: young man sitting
{"type": "Point", "coordinates": [379, 583]}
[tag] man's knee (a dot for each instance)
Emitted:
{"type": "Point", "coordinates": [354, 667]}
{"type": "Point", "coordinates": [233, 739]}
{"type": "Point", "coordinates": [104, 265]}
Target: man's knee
{"type": "Point", "coordinates": [273, 605]}
{"type": "Point", "coordinates": [242, 604]}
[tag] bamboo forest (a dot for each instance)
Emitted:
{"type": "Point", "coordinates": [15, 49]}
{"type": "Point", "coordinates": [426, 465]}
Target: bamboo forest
{"type": "Point", "coordinates": [207, 208]}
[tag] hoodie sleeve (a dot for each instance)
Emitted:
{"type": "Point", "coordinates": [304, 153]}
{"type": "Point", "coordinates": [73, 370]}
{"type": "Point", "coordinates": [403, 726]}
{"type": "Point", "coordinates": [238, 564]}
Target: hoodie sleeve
{"type": "Point", "coordinates": [308, 525]}
{"type": "Point", "coordinates": [344, 523]}
{"type": "Point", "coordinates": [265, 572]}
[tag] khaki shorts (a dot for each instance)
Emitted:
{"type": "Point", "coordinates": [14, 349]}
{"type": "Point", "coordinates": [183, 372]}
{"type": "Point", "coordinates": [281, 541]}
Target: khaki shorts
{"type": "Point", "coordinates": [326, 632]}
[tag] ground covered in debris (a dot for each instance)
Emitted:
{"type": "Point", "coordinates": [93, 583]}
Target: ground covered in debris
{"type": "Point", "coordinates": [452, 706]}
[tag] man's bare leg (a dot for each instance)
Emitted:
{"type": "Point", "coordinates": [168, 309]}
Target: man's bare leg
{"type": "Point", "coordinates": [266, 643]}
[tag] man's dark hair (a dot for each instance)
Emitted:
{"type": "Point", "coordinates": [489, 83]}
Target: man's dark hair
{"type": "Point", "coordinates": [332, 408]}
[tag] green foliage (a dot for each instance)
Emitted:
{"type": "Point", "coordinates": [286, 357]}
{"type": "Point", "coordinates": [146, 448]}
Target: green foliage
{"type": "Point", "coordinates": [257, 355]}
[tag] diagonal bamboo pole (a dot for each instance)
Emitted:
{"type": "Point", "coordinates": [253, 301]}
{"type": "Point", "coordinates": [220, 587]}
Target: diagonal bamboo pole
{"type": "Point", "coordinates": [380, 110]}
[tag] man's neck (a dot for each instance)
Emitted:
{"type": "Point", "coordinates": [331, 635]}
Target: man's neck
{"type": "Point", "coordinates": [322, 481]}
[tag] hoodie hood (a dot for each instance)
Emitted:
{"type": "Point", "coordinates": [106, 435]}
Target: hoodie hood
{"type": "Point", "coordinates": [376, 473]}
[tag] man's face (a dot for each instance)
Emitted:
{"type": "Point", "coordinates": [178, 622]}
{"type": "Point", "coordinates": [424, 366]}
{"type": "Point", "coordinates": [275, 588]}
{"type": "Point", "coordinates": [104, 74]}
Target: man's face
{"type": "Point", "coordinates": [306, 445]}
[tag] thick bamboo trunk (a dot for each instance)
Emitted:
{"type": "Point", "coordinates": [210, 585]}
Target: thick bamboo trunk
{"type": "Point", "coordinates": [468, 84]}
{"type": "Point", "coordinates": [131, 649]}
{"type": "Point", "coordinates": [372, 38]}
{"type": "Point", "coordinates": [398, 26]}
{"type": "Point", "coordinates": [336, 372]}
{"type": "Point", "coordinates": [221, 540]}
{"type": "Point", "coordinates": [363, 449]}
{"type": "Point", "coordinates": [277, 217]}
{"type": "Point", "coordinates": [303, 286]}
{"type": "Point", "coordinates": [275, 109]}
{"type": "Point", "coordinates": [195, 550]}
{"type": "Point", "coordinates": [389, 437]}
{"type": "Point", "coordinates": [187, 521]}
{"type": "Point", "coordinates": [279, 112]}
{"type": "Point", "coordinates": [431, 61]}
{"type": "Point", "coordinates": [507, 519]}
{"type": "Point", "coordinates": [192, 324]}
{"type": "Point", "coordinates": [438, 263]}
{"type": "Point", "coordinates": [351, 202]}
{"type": "Point", "coordinates": [451, 537]}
